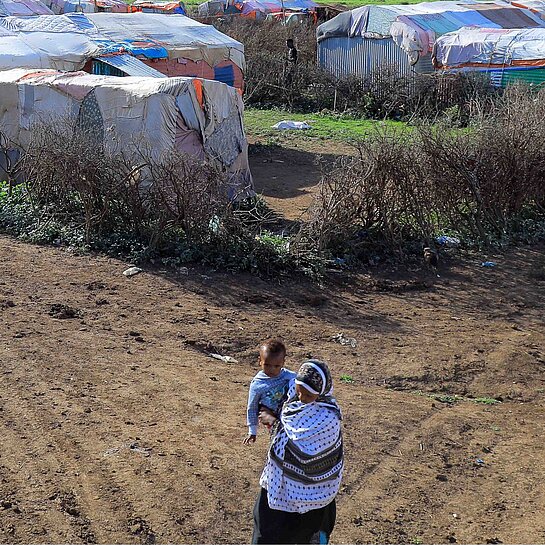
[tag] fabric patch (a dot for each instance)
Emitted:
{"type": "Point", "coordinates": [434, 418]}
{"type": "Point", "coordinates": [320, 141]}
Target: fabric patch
{"type": "Point", "coordinates": [90, 121]}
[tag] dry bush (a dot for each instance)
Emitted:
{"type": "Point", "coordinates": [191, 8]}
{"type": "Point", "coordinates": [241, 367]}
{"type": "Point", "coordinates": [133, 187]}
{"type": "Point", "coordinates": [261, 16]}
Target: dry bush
{"type": "Point", "coordinates": [483, 184]}
{"type": "Point", "coordinates": [107, 191]}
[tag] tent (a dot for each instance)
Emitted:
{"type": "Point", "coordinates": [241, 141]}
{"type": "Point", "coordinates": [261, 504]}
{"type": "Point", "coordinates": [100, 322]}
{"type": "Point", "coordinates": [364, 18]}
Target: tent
{"type": "Point", "coordinates": [507, 55]}
{"type": "Point", "coordinates": [87, 6]}
{"type": "Point", "coordinates": [128, 115]}
{"type": "Point", "coordinates": [159, 6]}
{"type": "Point", "coordinates": [172, 45]}
{"type": "Point", "coordinates": [49, 41]}
{"type": "Point", "coordinates": [23, 8]}
{"type": "Point", "coordinates": [365, 39]}
{"type": "Point", "coordinates": [255, 9]}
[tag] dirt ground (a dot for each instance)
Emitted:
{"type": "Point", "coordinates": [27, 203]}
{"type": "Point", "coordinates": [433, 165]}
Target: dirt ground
{"type": "Point", "coordinates": [118, 427]}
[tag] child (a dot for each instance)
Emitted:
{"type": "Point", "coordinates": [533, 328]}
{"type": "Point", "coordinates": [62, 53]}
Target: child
{"type": "Point", "coordinates": [269, 386]}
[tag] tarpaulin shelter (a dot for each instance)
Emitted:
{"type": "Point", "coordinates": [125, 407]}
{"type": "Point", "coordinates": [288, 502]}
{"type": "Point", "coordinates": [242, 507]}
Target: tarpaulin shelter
{"type": "Point", "coordinates": [130, 115]}
{"type": "Point", "coordinates": [364, 40]}
{"type": "Point", "coordinates": [171, 45]}
{"type": "Point", "coordinates": [48, 41]}
{"type": "Point", "coordinates": [174, 45]}
{"type": "Point", "coordinates": [158, 6]}
{"type": "Point", "coordinates": [255, 9]}
{"type": "Point", "coordinates": [23, 8]}
{"type": "Point", "coordinates": [507, 55]}
{"type": "Point", "coordinates": [87, 6]}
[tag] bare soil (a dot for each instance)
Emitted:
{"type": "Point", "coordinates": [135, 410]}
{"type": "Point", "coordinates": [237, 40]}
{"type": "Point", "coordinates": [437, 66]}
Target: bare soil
{"type": "Point", "coordinates": [117, 425]}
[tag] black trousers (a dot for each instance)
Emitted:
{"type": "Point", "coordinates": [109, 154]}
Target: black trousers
{"type": "Point", "coordinates": [272, 526]}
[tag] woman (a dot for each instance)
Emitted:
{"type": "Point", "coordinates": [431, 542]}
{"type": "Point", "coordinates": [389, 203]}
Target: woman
{"type": "Point", "coordinates": [305, 463]}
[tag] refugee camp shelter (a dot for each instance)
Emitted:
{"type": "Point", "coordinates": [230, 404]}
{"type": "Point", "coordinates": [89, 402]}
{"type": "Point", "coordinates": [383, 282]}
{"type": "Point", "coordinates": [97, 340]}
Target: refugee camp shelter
{"type": "Point", "coordinates": [131, 115]}
{"type": "Point", "coordinates": [87, 6]}
{"type": "Point", "coordinates": [48, 41]}
{"type": "Point", "coordinates": [158, 6]}
{"type": "Point", "coordinates": [23, 8]}
{"type": "Point", "coordinates": [174, 45]}
{"type": "Point", "coordinates": [255, 9]}
{"type": "Point", "coordinates": [506, 55]}
{"type": "Point", "coordinates": [137, 44]}
{"type": "Point", "coordinates": [364, 41]}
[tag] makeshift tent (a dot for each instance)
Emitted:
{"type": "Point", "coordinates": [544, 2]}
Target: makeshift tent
{"type": "Point", "coordinates": [130, 115]}
{"type": "Point", "coordinates": [49, 41]}
{"type": "Point", "coordinates": [367, 38]}
{"type": "Point", "coordinates": [172, 45]}
{"type": "Point", "coordinates": [87, 6]}
{"type": "Point", "coordinates": [158, 6]}
{"type": "Point", "coordinates": [23, 8]}
{"type": "Point", "coordinates": [255, 9]}
{"type": "Point", "coordinates": [507, 55]}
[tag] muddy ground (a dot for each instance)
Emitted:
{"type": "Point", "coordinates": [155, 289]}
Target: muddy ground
{"type": "Point", "coordinates": [117, 426]}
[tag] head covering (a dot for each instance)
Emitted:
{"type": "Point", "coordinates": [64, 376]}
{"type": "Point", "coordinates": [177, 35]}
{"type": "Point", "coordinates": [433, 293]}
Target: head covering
{"type": "Point", "coordinates": [305, 462]}
{"type": "Point", "coordinates": [315, 376]}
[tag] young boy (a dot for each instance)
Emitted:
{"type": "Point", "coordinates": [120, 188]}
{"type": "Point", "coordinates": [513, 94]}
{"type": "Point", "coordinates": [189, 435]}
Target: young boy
{"type": "Point", "coordinates": [268, 387]}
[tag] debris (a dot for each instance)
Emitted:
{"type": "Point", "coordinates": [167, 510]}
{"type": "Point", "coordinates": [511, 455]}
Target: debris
{"type": "Point", "coordinates": [442, 478]}
{"type": "Point", "coordinates": [131, 271]}
{"type": "Point", "coordinates": [64, 312]}
{"type": "Point", "coordinates": [488, 264]}
{"type": "Point", "coordinates": [449, 242]}
{"type": "Point", "coordinates": [292, 125]}
{"type": "Point", "coordinates": [183, 270]}
{"type": "Point", "coordinates": [341, 338]}
{"type": "Point", "coordinates": [141, 450]}
{"type": "Point", "coordinates": [455, 515]}
{"type": "Point", "coordinates": [225, 359]}
{"type": "Point", "coordinates": [479, 462]}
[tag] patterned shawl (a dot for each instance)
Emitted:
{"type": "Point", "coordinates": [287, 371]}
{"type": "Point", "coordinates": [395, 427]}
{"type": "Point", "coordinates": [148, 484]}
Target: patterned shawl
{"type": "Point", "coordinates": [305, 463]}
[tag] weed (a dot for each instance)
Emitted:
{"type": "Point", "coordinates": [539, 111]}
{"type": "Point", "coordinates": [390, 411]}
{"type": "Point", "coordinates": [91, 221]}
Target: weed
{"type": "Point", "coordinates": [347, 379]}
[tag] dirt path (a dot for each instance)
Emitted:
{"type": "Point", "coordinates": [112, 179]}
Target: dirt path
{"type": "Point", "coordinates": [117, 427]}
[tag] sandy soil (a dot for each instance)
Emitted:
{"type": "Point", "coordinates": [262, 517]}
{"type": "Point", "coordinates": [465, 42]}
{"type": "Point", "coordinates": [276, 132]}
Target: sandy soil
{"type": "Point", "coordinates": [117, 426]}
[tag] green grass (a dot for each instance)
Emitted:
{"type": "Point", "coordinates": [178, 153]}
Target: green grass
{"type": "Point", "coordinates": [258, 124]}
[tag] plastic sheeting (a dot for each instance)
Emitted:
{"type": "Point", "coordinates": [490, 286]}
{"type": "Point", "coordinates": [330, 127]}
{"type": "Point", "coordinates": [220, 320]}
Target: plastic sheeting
{"type": "Point", "coordinates": [86, 6]}
{"type": "Point", "coordinates": [253, 7]}
{"type": "Point", "coordinates": [486, 48]}
{"type": "Point", "coordinates": [131, 115]}
{"type": "Point", "coordinates": [23, 8]}
{"type": "Point", "coordinates": [48, 41]}
{"type": "Point", "coordinates": [414, 28]}
{"type": "Point", "coordinates": [172, 36]}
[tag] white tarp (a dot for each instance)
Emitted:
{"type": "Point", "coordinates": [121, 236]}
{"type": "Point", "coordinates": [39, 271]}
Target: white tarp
{"type": "Point", "coordinates": [67, 42]}
{"type": "Point", "coordinates": [23, 8]}
{"type": "Point", "coordinates": [132, 114]}
{"type": "Point", "coordinates": [48, 41]}
{"type": "Point", "coordinates": [181, 36]}
{"type": "Point", "coordinates": [490, 47]}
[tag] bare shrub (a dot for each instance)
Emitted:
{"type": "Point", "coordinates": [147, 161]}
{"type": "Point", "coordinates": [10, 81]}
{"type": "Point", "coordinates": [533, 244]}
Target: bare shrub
{"type": "Point", "coordinates": [407, 188]}
{"type": "Point", "coordinates": [107, 191]}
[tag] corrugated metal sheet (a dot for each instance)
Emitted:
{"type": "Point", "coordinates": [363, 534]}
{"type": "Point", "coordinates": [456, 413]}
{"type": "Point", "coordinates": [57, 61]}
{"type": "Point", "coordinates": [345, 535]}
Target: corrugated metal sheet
{"type": "Point", "coordinates": [364, 57]}
{"type": "Point", "coordinates": [128, 65]}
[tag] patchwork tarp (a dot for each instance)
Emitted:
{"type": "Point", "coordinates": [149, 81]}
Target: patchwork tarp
{"type": "Point", "coordinates": [23, 8]}
{"type": "Point", "coordinates": [255, 8]}
{"type": "Point", "coordinates": [490, 48]}
{"type": "Point", "coordinates": [158, 6]}
{"type": "Point", "coordinates": [130, 114]}
{"type": "Point", "coordinates": [414, 28]}
{"type": "Point", "coordinates": [172, 44]}
{"type": "Point", "coordinates": [49, 41]}
{"type": "Point", "coordinates": [86, 6]}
